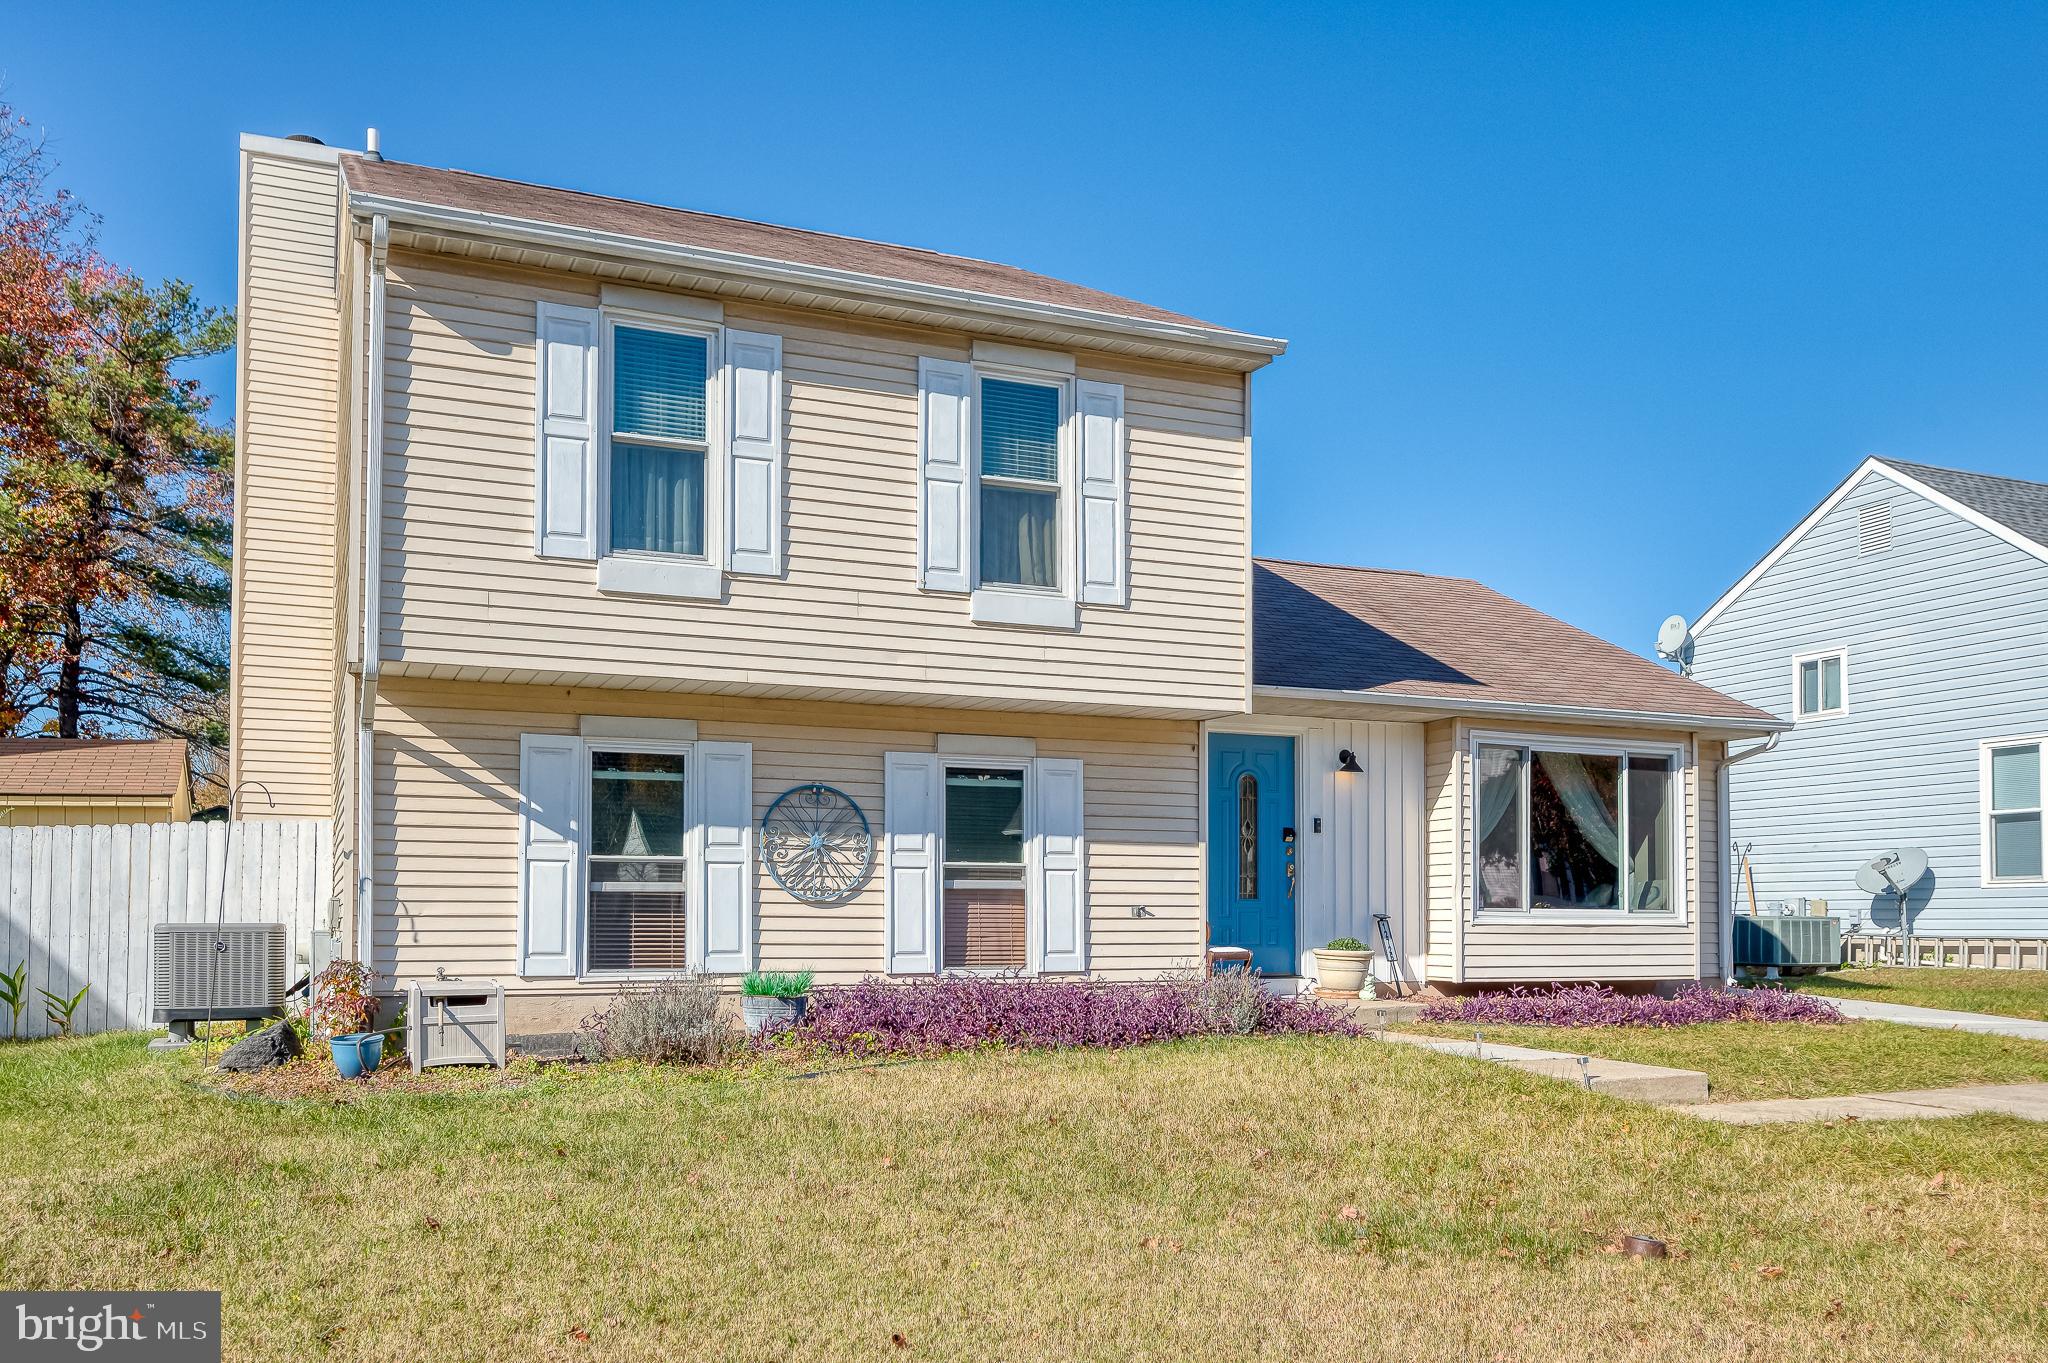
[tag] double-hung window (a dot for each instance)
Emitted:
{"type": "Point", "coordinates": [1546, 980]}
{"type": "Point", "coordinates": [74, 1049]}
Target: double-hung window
{"type": "Point", "coordinates": [658, 450]}
{"type": "Point", "coordinates": [1820, 685]}
{"type": "Point", "coordinates": [1563, 828]}
{"type": "Point", "coordinates": [2011, 787]}
{"type": "Point", "coordinates": [1019, 477]}
{"type": "Point", "coordinates": [983, 899]}
{"type": "Point", "coordinates": [638, 865]}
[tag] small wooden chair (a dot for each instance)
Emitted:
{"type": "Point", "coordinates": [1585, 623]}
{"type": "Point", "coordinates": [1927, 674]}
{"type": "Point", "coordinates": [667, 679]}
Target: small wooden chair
{"type": "Point", "coordinates": [1212, 955]}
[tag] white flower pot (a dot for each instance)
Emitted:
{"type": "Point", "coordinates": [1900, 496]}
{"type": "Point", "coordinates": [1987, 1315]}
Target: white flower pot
{"type": "Point", "coordinates": [1343, 972]}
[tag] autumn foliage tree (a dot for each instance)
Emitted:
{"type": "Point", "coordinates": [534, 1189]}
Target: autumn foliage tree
{"type": "Point", "coordinates": [116, 489]}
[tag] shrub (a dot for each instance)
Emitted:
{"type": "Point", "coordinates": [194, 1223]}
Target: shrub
{"type": "Point", "coordinates": [343, 1003]}
{"type": "Point", "coordinates": [1598, 1005]}
{"type": "Point", "coordinates": [14, 996]}
{"type": "Point", "coordinates": [964, 1012]}
{"type": "Point", "coordinates": [58, 1009]}
{"type": "Point", "coordinates": [777, 984]}
{"type": "Point", "coordinates": [675, 1022]}
{"type": "Point", "coordinates": [1346, 944]}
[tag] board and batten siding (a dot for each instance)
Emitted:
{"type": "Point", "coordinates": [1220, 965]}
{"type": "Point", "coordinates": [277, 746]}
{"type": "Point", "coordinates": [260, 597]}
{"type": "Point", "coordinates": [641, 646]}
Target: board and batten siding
{"type": "Point", "coordinates": [285, 573]}
{"type": "Point", "coordinates": [447, 781]}
{"type": "Point", "coordinates": [465, 596]}
{"type": "Point", "coordinates": [1947, 640]}
{"type": "Point", "coordinates": [1502, 949]}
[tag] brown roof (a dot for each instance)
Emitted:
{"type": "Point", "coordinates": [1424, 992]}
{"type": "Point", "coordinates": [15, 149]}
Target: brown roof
{"type": "Point", "coordinates": [458, 189]}
{"type": "Point", "coordinates": [1326, 628]}
{"type": "Point", "coordinates": [92, 766]}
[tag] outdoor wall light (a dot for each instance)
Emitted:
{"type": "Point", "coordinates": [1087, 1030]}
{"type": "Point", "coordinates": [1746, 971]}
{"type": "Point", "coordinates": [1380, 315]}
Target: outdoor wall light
{"type": "Point", "coordinates": [1347, 764]}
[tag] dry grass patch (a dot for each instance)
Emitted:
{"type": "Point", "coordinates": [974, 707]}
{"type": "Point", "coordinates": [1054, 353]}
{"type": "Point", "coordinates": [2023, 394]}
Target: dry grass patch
{"type": "Point", "coordinates": [1303, 1198]}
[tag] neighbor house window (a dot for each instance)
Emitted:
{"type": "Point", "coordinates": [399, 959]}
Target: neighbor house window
{"type": "Point", "coordinates": [1820, 685]}
{"type": "Point", "coordinates": [638, 862]}
{"type": "Point", "coordinates": [982, 926]}
{"type": "Point", "coordinates": [1020, 484]}
{"type": "Point", "coordinates": [1561, 829]}
{"type": "Point", "coordinates": [2012, 810]}
{"type": "Point", "coordinates": [658, 445]}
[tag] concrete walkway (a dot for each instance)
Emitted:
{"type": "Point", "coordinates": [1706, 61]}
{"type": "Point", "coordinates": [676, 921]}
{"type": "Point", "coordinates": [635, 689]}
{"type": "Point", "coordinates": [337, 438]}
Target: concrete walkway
{"type": "Point", "coordinates": [1620, 1078]}
{"type": "Point", "coordinates": [1990, 1024]}
{"type": "Point", "coordinates": [2015, 1100]}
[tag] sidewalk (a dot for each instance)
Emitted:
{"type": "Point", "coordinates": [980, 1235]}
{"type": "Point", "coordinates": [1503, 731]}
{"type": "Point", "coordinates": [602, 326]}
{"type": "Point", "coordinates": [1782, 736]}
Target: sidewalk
{"type": "Point", "coordinates": [2014, 1100]}
{"type": "Point", "coordinates": [1620, 1078]}
{"type": "Point", "coordinates": [1989, 1024]}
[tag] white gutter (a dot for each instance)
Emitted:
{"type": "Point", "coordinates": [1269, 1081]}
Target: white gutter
{"type": "Point", "coordinates": [1727, 844]}
{"type": "Point", "coordinates": [581, 240]}
{"type": "Point", "coordinates": [372, 537]}
{"type": "Point", "coordinates": [1529, 710]}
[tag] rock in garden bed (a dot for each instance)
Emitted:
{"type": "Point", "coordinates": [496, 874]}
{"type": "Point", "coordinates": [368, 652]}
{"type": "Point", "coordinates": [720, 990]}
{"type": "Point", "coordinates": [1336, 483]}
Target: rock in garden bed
{"type": "Point", "coordinates": [275, 1045]}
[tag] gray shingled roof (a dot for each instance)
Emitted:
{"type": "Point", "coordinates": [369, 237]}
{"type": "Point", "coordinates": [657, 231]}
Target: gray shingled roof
{"type": "Point", "coordinates": [2012, 502]}
{"type": "Point", "coordinates": [1394, 634]}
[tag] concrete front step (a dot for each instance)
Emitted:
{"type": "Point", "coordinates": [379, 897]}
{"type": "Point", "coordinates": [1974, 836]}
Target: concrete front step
{"type": "Point", "coordinates": [1618, 1078]}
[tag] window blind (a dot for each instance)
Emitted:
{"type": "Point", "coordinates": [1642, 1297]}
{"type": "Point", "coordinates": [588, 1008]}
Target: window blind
{"type": "Point", "coordinates": [1020, 431]}
{"type": "Point", "coordinates": [658, 383]}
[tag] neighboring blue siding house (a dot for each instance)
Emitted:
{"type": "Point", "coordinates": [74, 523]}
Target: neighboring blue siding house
{"type": "Point", "coordinates": [1903, 626]}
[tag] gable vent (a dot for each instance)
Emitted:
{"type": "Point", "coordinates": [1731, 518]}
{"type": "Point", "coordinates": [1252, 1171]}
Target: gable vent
{"type": "Point", "coordinates": [1874, 529]}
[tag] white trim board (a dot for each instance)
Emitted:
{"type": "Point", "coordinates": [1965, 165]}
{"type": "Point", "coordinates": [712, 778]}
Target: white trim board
{"type": "Point", "coordinates": [1877, 465]}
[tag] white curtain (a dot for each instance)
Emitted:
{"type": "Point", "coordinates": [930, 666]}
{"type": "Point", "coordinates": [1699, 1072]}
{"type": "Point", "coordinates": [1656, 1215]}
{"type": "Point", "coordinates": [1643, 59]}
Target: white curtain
{"type": "Point", "coordinates": [1500, 782]}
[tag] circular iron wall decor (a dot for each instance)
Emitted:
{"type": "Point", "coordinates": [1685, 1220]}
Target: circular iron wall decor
{"type": "Point", "coordinates": [817, 843]}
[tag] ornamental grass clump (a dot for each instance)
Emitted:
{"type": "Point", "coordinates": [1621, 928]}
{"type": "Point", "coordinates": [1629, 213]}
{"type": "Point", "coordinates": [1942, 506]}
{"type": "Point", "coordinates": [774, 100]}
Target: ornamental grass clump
{"type": "Point", "coordinates": [1598, 1005]}
{"type": "Point", "coordinates": [957, 1013]}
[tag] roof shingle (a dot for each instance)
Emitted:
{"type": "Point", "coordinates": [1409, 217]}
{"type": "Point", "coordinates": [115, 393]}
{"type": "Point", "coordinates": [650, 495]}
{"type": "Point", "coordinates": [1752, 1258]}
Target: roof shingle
{"type": "Point", "coordinates": [145, 767]}
{"type": "Point", "coordinates": [2012, 502]}
{"type": "Point", "coordinates": [1392, 634]}
{"type": "Point", "coordinates": [461, 190]}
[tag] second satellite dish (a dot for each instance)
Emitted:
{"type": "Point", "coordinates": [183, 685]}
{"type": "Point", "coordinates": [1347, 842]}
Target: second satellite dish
{"type": "Point", "coordinates": [1674, 641]}
{"type": "Point", "coordinates": [1893, 873]}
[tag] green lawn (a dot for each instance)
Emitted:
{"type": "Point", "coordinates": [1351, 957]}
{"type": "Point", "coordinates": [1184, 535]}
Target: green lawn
{"type": "Point", "coordinates": [1271, 1198]}
{"type": "Point", "coordinates": [2015, 993]}
{"type": "Point", "coordinates": [1744, 1060]}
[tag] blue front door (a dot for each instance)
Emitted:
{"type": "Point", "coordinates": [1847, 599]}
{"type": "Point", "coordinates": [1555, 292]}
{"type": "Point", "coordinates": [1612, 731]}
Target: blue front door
{"type": "Point", "coordinates": [1251, 848]}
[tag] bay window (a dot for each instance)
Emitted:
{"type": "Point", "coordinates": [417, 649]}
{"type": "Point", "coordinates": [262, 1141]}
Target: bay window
{"type": "Point", "coordinates": [1570, 828]}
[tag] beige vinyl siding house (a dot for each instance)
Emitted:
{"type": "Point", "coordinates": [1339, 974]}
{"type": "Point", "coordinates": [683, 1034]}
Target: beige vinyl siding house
{"type": "Point", "coordinates": [639, 591]}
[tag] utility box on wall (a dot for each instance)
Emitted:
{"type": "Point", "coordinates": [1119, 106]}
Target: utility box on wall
{"type": "Point", "coordinates": [455, 1022]}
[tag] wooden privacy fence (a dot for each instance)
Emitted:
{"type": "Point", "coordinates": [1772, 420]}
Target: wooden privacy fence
{"type": "Point", "coordinates": [78, 902]}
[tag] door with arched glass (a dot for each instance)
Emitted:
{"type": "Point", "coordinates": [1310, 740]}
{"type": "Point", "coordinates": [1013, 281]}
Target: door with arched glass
{"type": "Point", "coordinates": [1250, 819]}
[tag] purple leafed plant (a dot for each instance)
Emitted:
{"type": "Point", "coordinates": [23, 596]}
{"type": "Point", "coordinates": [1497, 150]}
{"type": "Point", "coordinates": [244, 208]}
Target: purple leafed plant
{"type": "Point", "coordinates": [1598, 1005]}
{"type": "Point", "coordinates": [957, 1013]}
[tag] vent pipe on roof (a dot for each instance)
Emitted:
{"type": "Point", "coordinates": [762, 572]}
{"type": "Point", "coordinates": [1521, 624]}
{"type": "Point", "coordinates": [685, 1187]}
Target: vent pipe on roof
{"type": "Point", "coordinates": [372, 146]}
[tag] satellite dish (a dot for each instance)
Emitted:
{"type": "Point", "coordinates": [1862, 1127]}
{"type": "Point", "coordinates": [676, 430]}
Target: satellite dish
{"type": "Point", "coordinates": [1674, 641]}
{"type": "Point", "coordinates": [1893, 873]}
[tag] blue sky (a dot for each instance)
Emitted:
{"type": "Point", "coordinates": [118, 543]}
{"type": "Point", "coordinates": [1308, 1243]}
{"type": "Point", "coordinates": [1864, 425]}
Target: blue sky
{"type": "Point", "coordinates": [1589, 302]}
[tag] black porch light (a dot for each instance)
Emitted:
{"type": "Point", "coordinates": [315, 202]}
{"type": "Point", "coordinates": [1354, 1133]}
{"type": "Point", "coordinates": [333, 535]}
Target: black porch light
{"type": "Point", "coordinates": [1347, 764]}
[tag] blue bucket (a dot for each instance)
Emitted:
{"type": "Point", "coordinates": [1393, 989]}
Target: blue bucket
{"type": "Point", "coordinates": [357, 1054]}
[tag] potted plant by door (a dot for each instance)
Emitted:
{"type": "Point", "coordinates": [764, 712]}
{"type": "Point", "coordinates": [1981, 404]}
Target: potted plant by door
{"type": "Point", "coordinates": [1344, 967]}
{"type": "Point", "coordinates": [771, 1000]}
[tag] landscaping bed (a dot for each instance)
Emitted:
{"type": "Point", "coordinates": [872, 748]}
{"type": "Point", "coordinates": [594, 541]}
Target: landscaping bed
{"type": "Point", "coordinates": [2011, 993]}
{"type": "Point", "coordinates": [1310, 1197]}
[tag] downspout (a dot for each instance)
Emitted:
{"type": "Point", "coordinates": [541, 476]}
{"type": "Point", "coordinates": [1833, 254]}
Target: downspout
{"type": "Point", "coordinates": [1727, 836]}
{"type": "Point", "coordinates": [372, 553]}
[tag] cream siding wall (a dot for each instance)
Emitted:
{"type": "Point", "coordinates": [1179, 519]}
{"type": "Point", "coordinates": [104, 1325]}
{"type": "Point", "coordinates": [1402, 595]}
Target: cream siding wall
{"type": "Point", "coordinates": [463, 589]}
{"type": "Point", "coordinates": [18, 811]}
{"type": "Point", "coordinates": [447, 779]}
{"type": "Point", "coordinates": [284, 663]}
{"type": "Point", "coordinates": [1504, 950]}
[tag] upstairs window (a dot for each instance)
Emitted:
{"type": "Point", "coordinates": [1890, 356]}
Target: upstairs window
{"type": "Point", "coordinates": [1820, 685]}
{"type": "Point", "coordinates": [1020, 484]}
{"type": "Point", "coordinates": [659, 451]}
{"type": "Point", "coordinates": [2012, 811]}
{"type": "Point", "coordinates": [1562, 830]}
